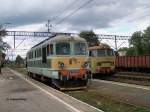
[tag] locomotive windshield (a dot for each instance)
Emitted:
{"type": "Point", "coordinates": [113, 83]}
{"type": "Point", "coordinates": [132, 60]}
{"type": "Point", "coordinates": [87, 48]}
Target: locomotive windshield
{"type": "Point", "coordinates": [80, 49]}
{"type": "Point", "coordinates": [105, 52]}
{"type": "Point", "coordinates": [102, 52]}
{"type": "Point", "coordinates": [110, 52]}
{"type": "Point", "coordinates": [62, 49]}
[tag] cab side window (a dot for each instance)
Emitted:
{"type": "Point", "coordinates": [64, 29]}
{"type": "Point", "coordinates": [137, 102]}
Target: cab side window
{"type": "Point", "coordinates": [90, 53]}
{"type": "Point", "coordinates": [93, 53]}
{"type": "Point", "coordinates": [48, 50]}
{"type": "Point", "coordinates": [51, 49]}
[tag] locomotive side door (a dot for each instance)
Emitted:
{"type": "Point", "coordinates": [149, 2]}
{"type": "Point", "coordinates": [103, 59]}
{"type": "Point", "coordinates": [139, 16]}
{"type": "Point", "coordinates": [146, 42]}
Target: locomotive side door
{"type": "Point", "coordinates": [44, 59]}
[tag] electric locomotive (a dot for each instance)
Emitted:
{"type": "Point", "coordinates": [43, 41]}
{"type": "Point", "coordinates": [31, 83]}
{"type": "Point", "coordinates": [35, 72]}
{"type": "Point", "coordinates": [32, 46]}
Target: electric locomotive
{"type": "Point", "coordinates": [63, 59]}
{"type": "Point", "coordinates": [102, 60]}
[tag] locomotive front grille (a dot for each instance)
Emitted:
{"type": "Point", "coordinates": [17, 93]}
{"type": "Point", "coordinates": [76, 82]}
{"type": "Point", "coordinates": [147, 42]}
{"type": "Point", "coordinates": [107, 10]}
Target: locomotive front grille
{"type": "Point", "coordinates": [105, 63]}
{"type": "Point", "coordinates": [73, 71]}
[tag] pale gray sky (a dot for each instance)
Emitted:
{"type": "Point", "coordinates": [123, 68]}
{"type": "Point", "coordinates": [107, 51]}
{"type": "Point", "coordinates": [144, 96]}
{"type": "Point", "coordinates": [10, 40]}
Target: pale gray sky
{"type": "Point", "coordinates": [103, 16]}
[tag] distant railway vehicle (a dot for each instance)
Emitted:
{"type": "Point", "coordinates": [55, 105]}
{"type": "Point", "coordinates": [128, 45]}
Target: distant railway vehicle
{"type": "Point", "coordinates": [102, 59]}
{"type": "Point", "coordinates": [62, 59]}
{"type": "Point", "coordinates": [133, 63]}
{"type": "Point", "coordinates": [2, 59]}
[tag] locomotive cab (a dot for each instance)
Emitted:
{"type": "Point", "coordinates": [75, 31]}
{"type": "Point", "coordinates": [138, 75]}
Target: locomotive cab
{"type": "Point", "coordinates": [102, 59]}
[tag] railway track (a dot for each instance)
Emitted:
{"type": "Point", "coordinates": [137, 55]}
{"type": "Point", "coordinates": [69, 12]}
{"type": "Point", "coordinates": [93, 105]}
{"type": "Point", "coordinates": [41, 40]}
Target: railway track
{"type": "Point", "coordinates": [130, 77]}
{"type": "Point", "coordinates": [133, 73]}
{"type": "Point", "coordinates": [133, 77]}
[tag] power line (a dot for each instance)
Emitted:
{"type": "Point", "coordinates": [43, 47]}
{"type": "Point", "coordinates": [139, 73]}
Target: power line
{"type": "Point", "coordinates": [18, 49]}
{"type": "Point", "coordinates": [20, 43]}
{"type": "Point", "coordinates": [83, 5]}
{"type": "Point", "coordinates": [49, 26]}
{"type": "Point", "coordinates": [64, 10]}
{"type": "Point", "coordinates": [44, 35]}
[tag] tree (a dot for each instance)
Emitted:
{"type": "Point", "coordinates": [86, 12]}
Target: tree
{"type": "Point", "coordinates": [3, 45]}
{"type": "Point", "coordinates": [90, 37]}
{"type": "Point", "coordinates": [131, 51]}
{"type": "Point", "coordinates": [19, 60]}
{"type": "Point", "coordinates": [123, 49]}
{"type": "Point", "coordinates": [128, 51]}
{"type": "Point", "coordinates": [137, 42]}
{"type": "Point", "coordinates": [140, 42]}
{"type": "Point", "coordinates": [3, 32]}
{"type": "Point", "coordinates": [146, 36]}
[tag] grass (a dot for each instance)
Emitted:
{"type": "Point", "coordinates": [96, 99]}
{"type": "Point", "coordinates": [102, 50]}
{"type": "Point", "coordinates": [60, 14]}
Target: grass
{"type": "Point", "coordinates": [20, 69]}
{"type": "Point", "coordinates": [104, 103]}
{"type": "Point", "coordinates": [94, 98]}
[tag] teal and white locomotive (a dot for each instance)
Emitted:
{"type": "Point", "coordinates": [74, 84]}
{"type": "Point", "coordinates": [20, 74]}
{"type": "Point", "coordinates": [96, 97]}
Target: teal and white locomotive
{"type": "Point", "coordinates": [63, 59]}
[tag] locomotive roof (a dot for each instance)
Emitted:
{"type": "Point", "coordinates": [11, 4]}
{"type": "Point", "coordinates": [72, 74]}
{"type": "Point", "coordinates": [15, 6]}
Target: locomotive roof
{"type": "Point", "coordinates": [65, 38]}
{"type": "Point", "coordinates": [60, 38]}
{"type": "Point", "coordinates": [99, 47]}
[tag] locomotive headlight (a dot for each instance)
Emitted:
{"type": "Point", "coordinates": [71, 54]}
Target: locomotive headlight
{"type": "Point", "coordinates": [85, 64]}
{"type": "Point", "coordinates": [61, 65]}
{"type": "Point", "coordinates": [112, 64]}
{"type": "Point", "coordinates": [99, 64]}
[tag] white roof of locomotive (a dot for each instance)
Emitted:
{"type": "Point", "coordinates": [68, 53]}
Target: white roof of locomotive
{"type": "Point", "coordinates": [66, 38]}
{"type": "Point", "coordinates": [59, 38]}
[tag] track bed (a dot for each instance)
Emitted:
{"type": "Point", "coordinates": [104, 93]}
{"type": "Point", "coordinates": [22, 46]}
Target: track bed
{"type": "Point", "coordinates": [129, 77]}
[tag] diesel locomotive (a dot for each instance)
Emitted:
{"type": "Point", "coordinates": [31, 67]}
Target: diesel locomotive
{"type": "Point", "coordinates": [62, 59]}
{"type": "Point", "coordinates": [102, 60]}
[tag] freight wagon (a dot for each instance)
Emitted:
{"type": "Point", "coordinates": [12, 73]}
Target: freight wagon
{"type": "Point", "coordinates": [133, 63]}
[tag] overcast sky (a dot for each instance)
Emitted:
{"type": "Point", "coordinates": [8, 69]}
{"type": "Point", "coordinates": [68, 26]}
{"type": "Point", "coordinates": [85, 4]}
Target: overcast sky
{"type": "Point", "coordinates": [103, 16]}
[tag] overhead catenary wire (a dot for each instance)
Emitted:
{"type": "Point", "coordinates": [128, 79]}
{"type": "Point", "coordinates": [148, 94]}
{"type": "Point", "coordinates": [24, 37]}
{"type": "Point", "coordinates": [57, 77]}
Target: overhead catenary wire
{"type": "Point", "coordinates": [76, 10]}
{"type": "Point", "coordinates": [28, 34]}
{"type": "Point", "coordinates": [64, 10]}
{"type": "Point", "coordinates": [20, 43]}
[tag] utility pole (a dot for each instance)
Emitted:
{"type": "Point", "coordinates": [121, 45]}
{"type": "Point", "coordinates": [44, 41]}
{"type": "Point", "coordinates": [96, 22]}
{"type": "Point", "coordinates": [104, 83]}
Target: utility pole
{"type": "Point", "coordinates": [116, 47]}
{"type": "Point", "coordinates": [14, 39]}
{"type": "Point", "coordinates": [1, 44]}
{"type": "Point", "coordinates": [49, 26]}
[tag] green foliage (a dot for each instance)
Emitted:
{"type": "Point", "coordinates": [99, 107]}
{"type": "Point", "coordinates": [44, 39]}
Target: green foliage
{"type": "Point", "coordinates": [90, 37]}
{"type": "Point", "coordinates": [129, 51]}
{"type": "Point", "coordinates": [139, 42]}
{"type": "Point", "coordinates": [19, 60]}
{"type": "Point", "coordinates": [146, 46]}
{"type": "Point", "coordinates": [3, 32]}
{"type": "Point", "coordinates": [141, 110]}
{"type": "Point", "coordinates": [123, 49]}
{"type": "Point", "coordinates": [3, 45]}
